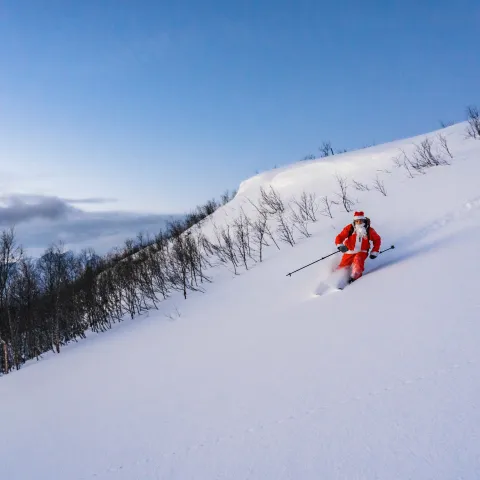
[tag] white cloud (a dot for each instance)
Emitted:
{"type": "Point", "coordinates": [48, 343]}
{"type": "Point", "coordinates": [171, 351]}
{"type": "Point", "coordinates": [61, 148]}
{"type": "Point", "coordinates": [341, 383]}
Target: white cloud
{"type": "Point", "coordinates": [41, 220]}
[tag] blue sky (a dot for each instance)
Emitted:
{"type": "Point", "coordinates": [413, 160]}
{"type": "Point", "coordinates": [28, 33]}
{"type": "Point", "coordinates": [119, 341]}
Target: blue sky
{"type": "Point", "coordinates": [162, 105]}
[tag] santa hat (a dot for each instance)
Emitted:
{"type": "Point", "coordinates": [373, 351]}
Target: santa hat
{"type": "Point", "coordinates": [358, 216]}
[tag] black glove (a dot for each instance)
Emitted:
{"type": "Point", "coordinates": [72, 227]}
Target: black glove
{"type": "Point", "coordinates": [374, 255]}
{"type": "Point", "coordinates": [343, 248]}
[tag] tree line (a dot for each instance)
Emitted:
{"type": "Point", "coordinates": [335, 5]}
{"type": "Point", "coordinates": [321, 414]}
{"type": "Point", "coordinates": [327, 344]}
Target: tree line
{"type": "Point", "coordinates": [49, 301]}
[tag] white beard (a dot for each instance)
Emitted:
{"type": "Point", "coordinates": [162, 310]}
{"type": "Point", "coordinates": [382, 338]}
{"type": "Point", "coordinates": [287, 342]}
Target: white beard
{"type": "Point", "coordinates": [360, 230]}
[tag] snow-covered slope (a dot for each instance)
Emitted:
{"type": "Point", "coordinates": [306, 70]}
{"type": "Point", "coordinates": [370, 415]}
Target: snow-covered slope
{"type": "Point", "coordinates": [260, 379]}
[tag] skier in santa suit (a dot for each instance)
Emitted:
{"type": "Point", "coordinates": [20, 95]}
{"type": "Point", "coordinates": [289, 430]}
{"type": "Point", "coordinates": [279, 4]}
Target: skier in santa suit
{"type": "Point", "coordinates": [354, 242]}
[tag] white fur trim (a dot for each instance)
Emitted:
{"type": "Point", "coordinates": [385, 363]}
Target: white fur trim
{"type": "Point", "coordinates": [359, 218]}
{"type": "Point", "coordinates": [375, 254]}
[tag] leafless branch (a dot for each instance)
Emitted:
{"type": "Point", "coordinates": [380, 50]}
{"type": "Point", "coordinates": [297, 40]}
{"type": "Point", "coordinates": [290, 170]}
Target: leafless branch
{"type": "Point", "coordinates": [263, 212]}
{"type": "Point", "coordinates": [327, 206]}
{"type": "Point", "coordinates": [259, 232]}
{"type": "Point", "coordinates": [424, 157]}
{"type": "Point", "coordinates": [473, 129]}
{"type": "Point", "coordinates": [271, 201]}
{"type": "Point", "coordinates": [443, 142]}
{"type": "Point", "coordinates": [380, 186]}
{"type": "Point", "coordinates": [285, 229]}
{"type": "Point", "coordinates": [300, 222]}
{"type": "Point", "coordinates": [407, 163]}
{"type": "Point", "coordinates": [242, 238]}
{"type": "Point", "coordinates": [347, 202]}
{"type": "Point", "coordinates": [363, 187]}
{"type": "Point", "coordinates": [326, 150]}
{"type": "Point", "coordinates": [397, 161]}
{"type": "Point", "coordinates": [307, 206]}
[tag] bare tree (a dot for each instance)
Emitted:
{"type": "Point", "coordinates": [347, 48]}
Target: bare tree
{"type": "Point", "coordinates": [473, 129]}
{"type": "Point", "coordinates": [225, 197]}
{"type": "Point", "coordinates": [407, 163]}
{"type": "Point", "coordinates": [242, 238]}
{"type": "Point", "coordinates": [145, 281]}
{"type": "Point", "coordinates": [5, 368]}
{"type": "Point", "coordinates": [327, 206]}
{"type": "Point", "coordinates": [264, 212]}
{"type": "Point", "coordinates": [186, 265]}
{"type": "Point", "coordinates": [347, 202]}
{"type": "Point", "coordinates": [424, 157]}
{"type": "Point", "coordinates": [445, 124]}
{"type": "Point", "coordinates": [59, 272]}
{"type": "Point", "coordinates": [10, 255]}
{"type": "Point", "coordinates": [307, 206]}
{"type": "Point", "coordinates": [326, 149]}
{"type": "Point", "coordinates": [271, 201]}
{"type": "Point", "coordinates": [397, 161]}
{"type": "Point", "coordinates": [175, 228]}
{"type": "Point", "coordinates": [197, 259]}
{"type": "Point", "coordinates": [225, 247]}
{"type": "Point", "coordinates": [180, 265]}
{"type": "Point", "coordinates": [380, 186]}
{"type": "Point", "coordinates": [443, 142]}
{"type": "Point", "coordinates": [126, 278]}
{"type": "Point", "coordinates": [362, 187]}
{"type": "Point", "coordinates": [285, 229]}
{"type": "Point", "coordinates": [259, 232]}
{"type": "Point", "coordinates": [300, 222]}
{"type": "Point", "coordinates": [156, 267]}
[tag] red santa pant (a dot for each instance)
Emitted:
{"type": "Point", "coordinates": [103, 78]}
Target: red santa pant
{"type": "Point", "coordinates": [356, 261]}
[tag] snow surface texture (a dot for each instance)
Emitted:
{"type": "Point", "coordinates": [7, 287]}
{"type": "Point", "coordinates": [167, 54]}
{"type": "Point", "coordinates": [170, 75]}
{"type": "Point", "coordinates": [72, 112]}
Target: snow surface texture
{"type": "Point", "coordinates": [259, 378]}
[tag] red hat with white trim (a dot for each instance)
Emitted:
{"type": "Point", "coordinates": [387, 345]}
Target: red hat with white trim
{"type": "Point", "coordinates": [359, 216]}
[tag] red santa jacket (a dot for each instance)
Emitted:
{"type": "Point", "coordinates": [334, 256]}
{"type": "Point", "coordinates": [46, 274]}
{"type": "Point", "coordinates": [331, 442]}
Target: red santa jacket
{"type": "Point", "coordinates": [355, 244]}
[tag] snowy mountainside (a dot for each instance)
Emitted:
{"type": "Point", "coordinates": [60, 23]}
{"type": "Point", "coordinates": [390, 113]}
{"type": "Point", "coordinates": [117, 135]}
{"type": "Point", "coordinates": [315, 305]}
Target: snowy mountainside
{"type": "Point", "coordinates": [258, 378]}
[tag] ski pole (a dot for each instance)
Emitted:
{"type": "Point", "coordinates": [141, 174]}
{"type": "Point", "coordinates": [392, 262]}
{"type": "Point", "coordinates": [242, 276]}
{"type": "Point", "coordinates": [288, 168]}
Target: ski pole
{"type": "Point", "coordinates": [387, 249]}
{"type": "Point", "coordinates": [326, 256]}
{"type": "Point", "coordinates": [301, 268]}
